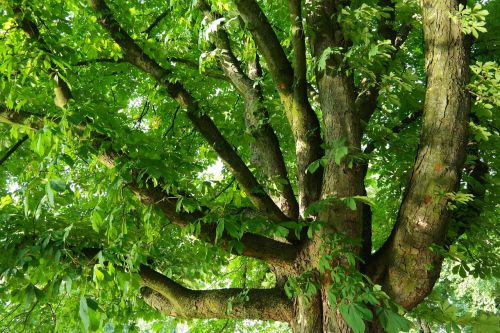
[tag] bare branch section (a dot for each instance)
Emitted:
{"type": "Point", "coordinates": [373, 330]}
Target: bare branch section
{"type": "Point", "coordinates": [279, 255]}
{"type": "Point", "coordinates": [405, 265]}
{"type": "Point", "coordinates": [337, 99]}
{"type": "Point", "coordinates": [266, 149]}
{"type": "Point", "coordinates": [293, 93]}
{"type": "Point", "coordinates": [203, 123]}
{"type": "Point", "coordinates": [299, 51]}
{"type": "Point", "coordinates": [173, 299]}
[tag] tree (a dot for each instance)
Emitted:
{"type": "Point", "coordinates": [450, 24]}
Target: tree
{"type": "Point", "coordinates": [352, 162]}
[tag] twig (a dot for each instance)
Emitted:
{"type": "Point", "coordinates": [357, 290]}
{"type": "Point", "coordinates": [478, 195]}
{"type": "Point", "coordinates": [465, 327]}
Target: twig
{"type": "Point", "coordinates": [145, 110]}
{"type": "Point", "coordinates": [172, 124]}
{"type": "Point", "coordinates": [13, 149]}
{"type": "Point", "coordinates": [224, 327]}
{"type": "Point", "coordinates": [98, 60]}
{"type": "Point", "coordinates": [156, 22]}
{"type": "Point", "coordinates": [11, 312]}
{"type": "Point", "coordinates": [224, 189]}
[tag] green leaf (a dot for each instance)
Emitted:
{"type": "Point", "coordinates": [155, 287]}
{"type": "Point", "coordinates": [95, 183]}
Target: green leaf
{"type": "Point", "coordinates": [340, 152]}
{"type": "Point", "coordinates": [350, 202]}
{"type": "Point", "coordinates": [393, 322]}
{"type": "Point", "coordinates": [313, 166]}
{"type": "Point", "coordinates": [96, 220]}
{"type": "Point", "coordinates": [84, 313]}
{"type": "Point", "coordinates": [219, 230]}
{"type": "Point", "coordinates": [50, 194]}
{"type": "Point", "coordinates": [5, 200]}
{"type": "Point", "coordinates": [353, 317]}
{"type": "Point", "coordinates": [373, 51]}
{"type": "Point", "coordinates": [57, 184]}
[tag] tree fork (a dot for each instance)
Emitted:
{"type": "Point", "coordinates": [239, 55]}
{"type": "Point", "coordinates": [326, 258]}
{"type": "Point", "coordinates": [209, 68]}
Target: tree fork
{"type": "Point", "coordinates": [203, 123]}
{"type": "Point", "coordinates": [266, 149]}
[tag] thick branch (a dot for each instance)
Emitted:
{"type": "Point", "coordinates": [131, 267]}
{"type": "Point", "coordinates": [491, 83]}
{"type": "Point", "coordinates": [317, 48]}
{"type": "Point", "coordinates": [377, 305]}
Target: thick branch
{"type": "Point", "coordinates": [173, 299]}
{"type": "Point", "coordinates": [301, 117]}
{"type": "Point", "coordinates": [279, 255]}
{"type": "Point", "coordinates": [203, 123]}
{"type": "Point", "coordinates": [268, 43]}
{"type": "Point", "coordinates": [299, 50]}
{"type": "Point", "coordinates": [266, 149]}
{"type": "Point", "coordinates": [405, 266]}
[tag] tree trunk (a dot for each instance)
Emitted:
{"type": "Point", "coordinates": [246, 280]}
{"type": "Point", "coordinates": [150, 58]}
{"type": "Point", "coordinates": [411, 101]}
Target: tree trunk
{"type": "Point", "coordinates": [312, 318]}
{"type": "Point", "coordinates": [405, 266]}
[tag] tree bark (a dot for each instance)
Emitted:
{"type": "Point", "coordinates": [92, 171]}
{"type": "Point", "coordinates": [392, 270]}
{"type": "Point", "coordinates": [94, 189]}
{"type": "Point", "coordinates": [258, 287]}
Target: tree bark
{"type": "Point", "coordinates": [406, 266]}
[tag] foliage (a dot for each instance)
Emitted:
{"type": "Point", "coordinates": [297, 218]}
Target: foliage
{"type": "Point", "coordinates": [58, 198]}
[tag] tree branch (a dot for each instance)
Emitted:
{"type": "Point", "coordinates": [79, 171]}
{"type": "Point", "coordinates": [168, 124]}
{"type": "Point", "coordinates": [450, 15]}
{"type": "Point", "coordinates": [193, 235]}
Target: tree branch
{"type": "Point", "coordinates": [62, 91]}
{"type": "Point", "coordinates": [266, 149]}
{"type": "Point", "coordinates": [13, 149]}
{"type": "Point", "coordinates": [301, 117]}
{"type": "Point", "coordinates": [268, 43]}
{"type": "Point", "coordinates": [99, 60]}
{"type": "Point", "coordinates": [203, 123]}
{"type": "Point", "coordinates": [423, 216]}
{"type": "Point", "coordinates": [299, 50]}
{"type": "Point", "coordinates": [279, 255]}
{"type": "Point", "coordinates": [156, 22]}
{"type": "Point", "coordinates": [189, 63]}
{"type": "Point", "coordinates": [173, 299]}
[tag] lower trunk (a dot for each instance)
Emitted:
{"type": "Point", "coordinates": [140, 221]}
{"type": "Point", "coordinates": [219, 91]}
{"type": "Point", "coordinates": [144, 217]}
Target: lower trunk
{"type": "Point", "coordinates": [316, 316]}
